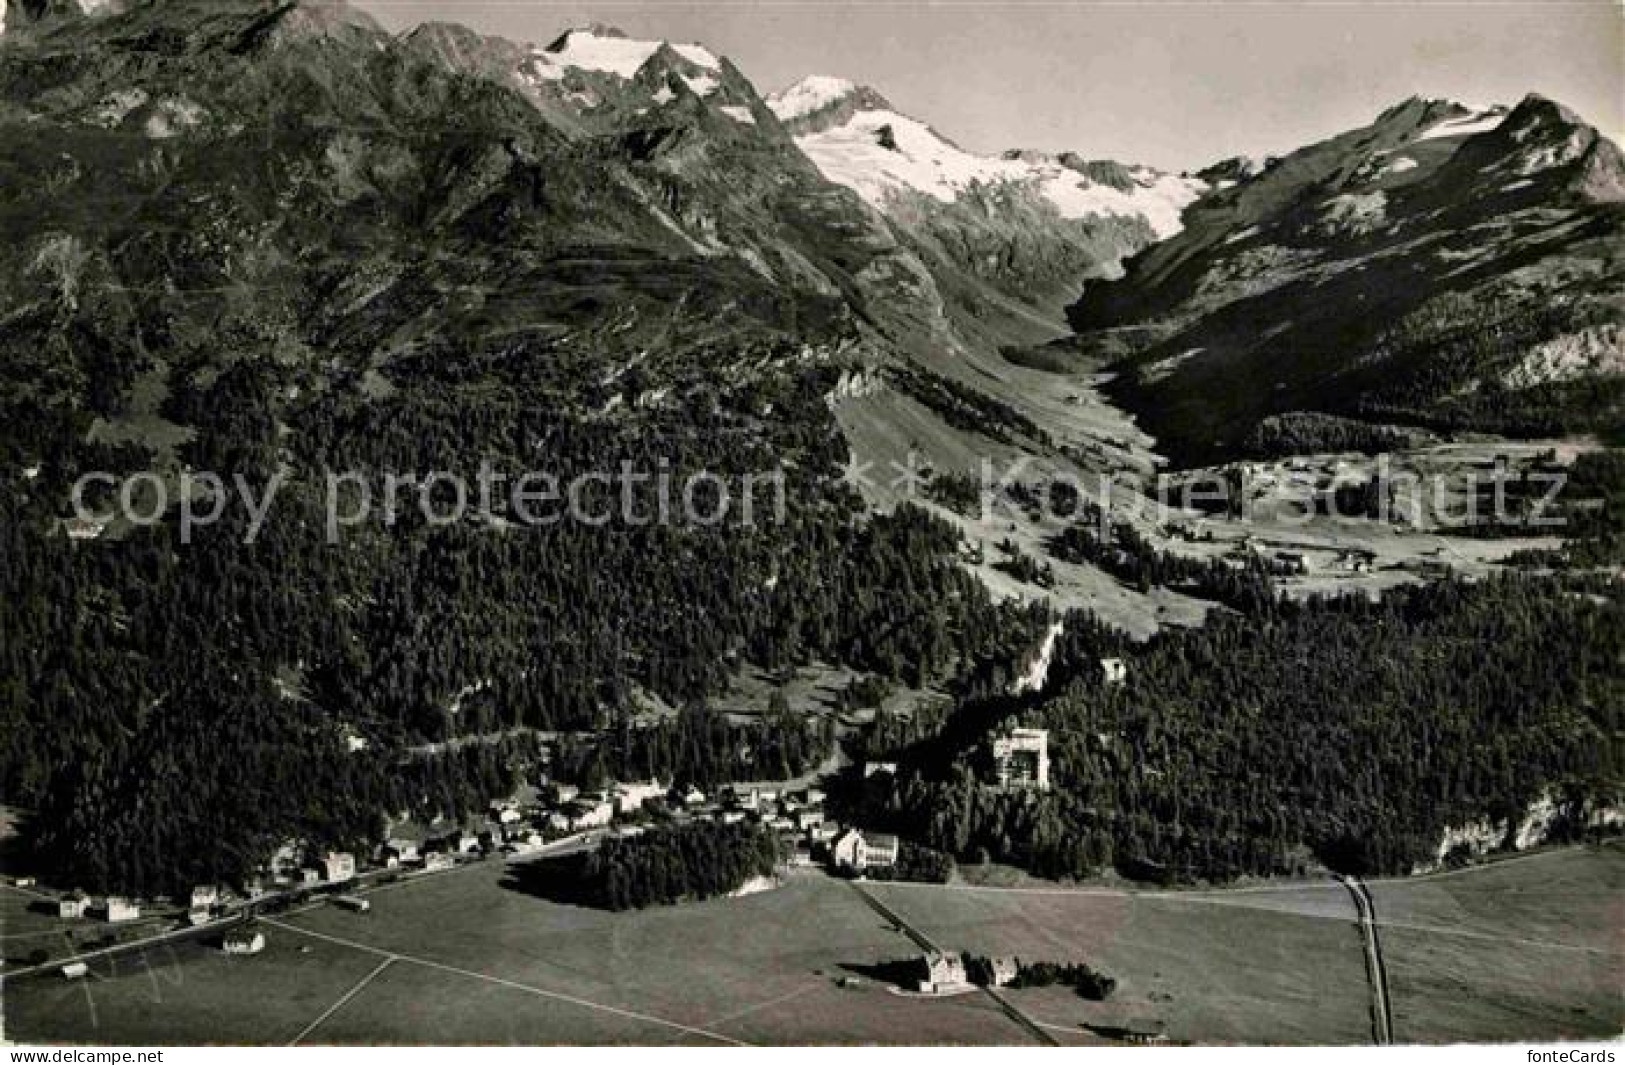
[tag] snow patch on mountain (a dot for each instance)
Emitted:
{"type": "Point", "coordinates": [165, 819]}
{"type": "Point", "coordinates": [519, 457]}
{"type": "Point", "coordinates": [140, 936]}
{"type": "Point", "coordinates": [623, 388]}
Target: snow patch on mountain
{"type": "Point", "coordinates": [1158, 198]}
{"type": "Point", "coordinates": [808, 95]}
{"type": "Point", "coordinates": [738, 114]}
{"type": "Point", "coordinates": [880, 153]}
{"type": "Point", "coordinates": [703, 85]}
{"type": "Point", "coordinates": [1466, 125]}
{"type": "Point", "coordinates": [608, 52]}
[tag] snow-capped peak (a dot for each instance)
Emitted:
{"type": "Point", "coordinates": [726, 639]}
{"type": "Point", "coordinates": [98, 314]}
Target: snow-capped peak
{"type": "Point", "coordinates": [880, 154]}
{"type": "Point", "coordinates": [808, 95]}
{"type": "Point", "coordinates": [609, 51]}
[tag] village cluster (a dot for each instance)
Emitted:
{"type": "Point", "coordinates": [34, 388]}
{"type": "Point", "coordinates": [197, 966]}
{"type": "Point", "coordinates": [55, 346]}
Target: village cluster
{"type": "Point", "coordinates": [534, 822]}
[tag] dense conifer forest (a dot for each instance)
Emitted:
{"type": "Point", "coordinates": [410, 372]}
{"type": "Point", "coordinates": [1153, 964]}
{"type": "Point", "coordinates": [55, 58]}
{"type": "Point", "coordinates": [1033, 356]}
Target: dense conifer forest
{"type": "Point", "coordinates": [174, 710]}
{"type": "Point", "coordinates": [1342, 730]}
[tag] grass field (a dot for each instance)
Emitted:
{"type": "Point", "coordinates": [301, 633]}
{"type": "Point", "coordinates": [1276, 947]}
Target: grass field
{"type": "Point", "coordinates": [1527, 948]}
{"type": "Point", "coordinates": [1244, 969]}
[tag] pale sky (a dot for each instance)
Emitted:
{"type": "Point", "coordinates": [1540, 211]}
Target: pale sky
{"type": "Point", "coordinates": [1174, 84]}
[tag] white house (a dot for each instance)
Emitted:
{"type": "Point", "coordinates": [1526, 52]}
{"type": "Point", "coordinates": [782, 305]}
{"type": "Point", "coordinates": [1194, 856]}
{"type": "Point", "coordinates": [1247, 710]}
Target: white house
{"type": "Point", "coordinates": [338, 866]}
{"type": "Point", "coordinates": [938, 973]}
{"type": "Point", "coordinates": [286, 858]}
{"type": "Point", "coordinates": [858, 851]}
{"type": "Point", "coordinates": [72, 906]}
{"type": "Point", "coordinates": [120, 909]}
{"type": "Point", "coordinates": [204, 896]}
{"type": "Point", "coordinates": [1113, 670]}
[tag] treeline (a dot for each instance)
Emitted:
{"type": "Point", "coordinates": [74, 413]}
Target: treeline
{"type": "Point", "coordinates": [662, 865]}
{"type": "Point", "coordinates": [965, 408]}
{"type": "Point", "coordinates": [1310, 432]}
{"type": "Point", "coordinates": [1340, 730]}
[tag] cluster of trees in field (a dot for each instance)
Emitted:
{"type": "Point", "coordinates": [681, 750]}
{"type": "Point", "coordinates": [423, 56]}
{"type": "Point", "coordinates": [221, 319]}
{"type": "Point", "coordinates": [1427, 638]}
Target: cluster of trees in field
{"type": "Point", "coordinates": [661, 865]}
{"type": "Point", "coordinates": [698, 745]}
{"type": "Point", "coordinates": [1132, 558]}
{"type": "Point", "coordinates": [1089, 983]}
{"type": "Point", "coordinates": [1341, 730]}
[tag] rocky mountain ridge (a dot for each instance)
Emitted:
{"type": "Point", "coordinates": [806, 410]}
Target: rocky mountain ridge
{"type": "Point", "coordinates": [1398, 272]}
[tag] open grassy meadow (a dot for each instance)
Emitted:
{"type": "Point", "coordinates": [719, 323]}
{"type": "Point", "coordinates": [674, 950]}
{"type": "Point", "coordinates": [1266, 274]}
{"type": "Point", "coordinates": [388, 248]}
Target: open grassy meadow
{"type": "Point", "coordinates": [1523, 948]}
{"type": "Point", "coordinates": [1526, 948]}
{"type": "Point", "coordinates": [1210, 969]}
